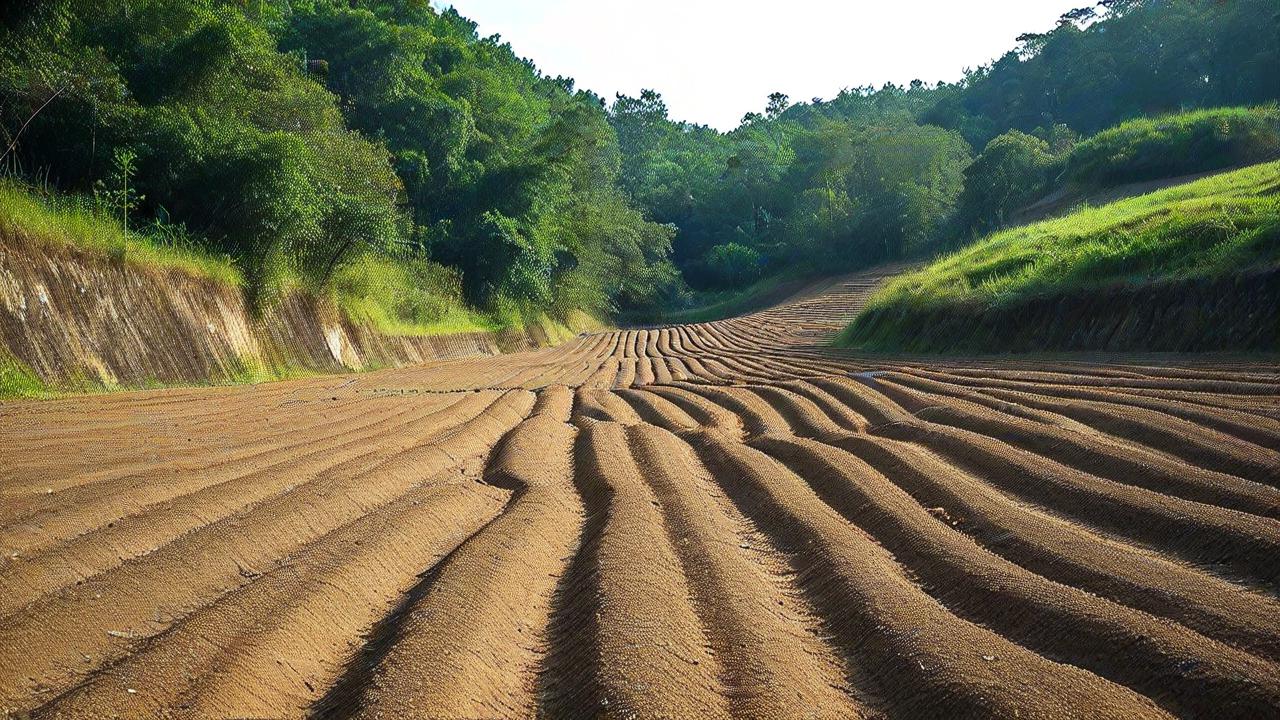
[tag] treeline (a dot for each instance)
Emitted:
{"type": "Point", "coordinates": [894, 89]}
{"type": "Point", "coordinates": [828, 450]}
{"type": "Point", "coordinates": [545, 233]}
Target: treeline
{"type": "Point", "coordinates": [882, 174]}
{"type": "Point", "coordinates": [326, 141]}
{"type": "Point", "coordinates": [382, 149]}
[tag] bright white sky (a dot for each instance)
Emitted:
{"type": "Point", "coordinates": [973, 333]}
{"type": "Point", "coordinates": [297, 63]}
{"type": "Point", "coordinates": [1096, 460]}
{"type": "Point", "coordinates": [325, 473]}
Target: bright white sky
{"type": "Point", "coordinates": [715, 60]}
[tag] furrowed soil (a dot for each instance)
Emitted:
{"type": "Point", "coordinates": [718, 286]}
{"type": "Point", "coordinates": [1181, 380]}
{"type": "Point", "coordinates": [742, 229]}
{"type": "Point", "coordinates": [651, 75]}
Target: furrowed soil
{"type": "Point", "coordinates": [721, 520]}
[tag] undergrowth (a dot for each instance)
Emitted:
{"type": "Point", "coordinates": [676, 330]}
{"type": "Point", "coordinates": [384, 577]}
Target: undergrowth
{"type": "Point", "coordinates": [62, 221]}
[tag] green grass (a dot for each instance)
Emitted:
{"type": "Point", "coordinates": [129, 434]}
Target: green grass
{"type": "Point", "coordinates": [1174, 145]}
{"type": "Point", "coordinates": [65, 221]}
{"type": "Point", "coordinates": [406, 298]}
{"type": "Point", "coordinates": [1214, 227]}
{"type": "Point", "coordinates": [711, 306]}
{"type": "Point", "coordinates": [17, 380]}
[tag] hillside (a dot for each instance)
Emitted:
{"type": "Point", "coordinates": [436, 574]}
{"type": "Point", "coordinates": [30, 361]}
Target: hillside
{"type": "Point", "coordinates": [1192, 267]}
{"type": "Point", "coordinates": [86, 305]}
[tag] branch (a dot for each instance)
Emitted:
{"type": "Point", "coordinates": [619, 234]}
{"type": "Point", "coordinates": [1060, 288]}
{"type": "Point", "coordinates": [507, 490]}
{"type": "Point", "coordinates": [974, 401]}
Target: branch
{"type": "Point", "coordinates": [14, 143]}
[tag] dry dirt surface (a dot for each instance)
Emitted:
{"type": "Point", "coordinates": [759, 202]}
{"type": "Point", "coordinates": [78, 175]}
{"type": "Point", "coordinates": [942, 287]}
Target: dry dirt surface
{"type": "Point", "coordinates": [706, 521]}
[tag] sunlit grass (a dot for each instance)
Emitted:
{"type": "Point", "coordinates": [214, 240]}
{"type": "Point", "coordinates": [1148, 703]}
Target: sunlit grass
{"type": "Point", "coordinates": [17, 380]}
{"type": "Point", "coordinates": [62, 221]}
{"type": "Point", "coordinates": [1214, 227]}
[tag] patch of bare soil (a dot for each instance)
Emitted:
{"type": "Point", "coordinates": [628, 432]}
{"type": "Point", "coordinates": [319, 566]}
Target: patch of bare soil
{"type": "Point", "coordinates": [715, 520]}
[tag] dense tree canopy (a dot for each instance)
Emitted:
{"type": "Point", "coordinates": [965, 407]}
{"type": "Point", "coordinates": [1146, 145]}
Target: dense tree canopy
{"type": "Point", "coordinates": [300, 136]}
{"type": "Point", "coordinates": [877, 174]}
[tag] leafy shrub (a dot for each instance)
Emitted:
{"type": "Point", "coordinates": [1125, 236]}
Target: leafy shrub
{"type": "Point", "coordinates": [1011, 171]}
{"type": "Point", "coordinates": [734, 265]}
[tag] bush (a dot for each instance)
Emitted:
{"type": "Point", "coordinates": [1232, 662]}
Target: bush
{"type": "Point", "coordinates": [1173, 145]}
{"type": "Point", "coordinates": [1011, 172]}
{"type": "Point", "coordinates": [734, 265]}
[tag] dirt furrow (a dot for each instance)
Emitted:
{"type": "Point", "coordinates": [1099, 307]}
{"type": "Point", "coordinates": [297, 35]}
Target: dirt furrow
{"type": "Point", "coordinates": [1182, 670]}
{"type": "Point", "coordinates": [143, 596]}
{"type": "Point", "coordinates": [775, 665]}
{"type": "Point", "coordinates": [924, 661]}
{"type": "Point", "coordinates": [1072, 555]}
{"type": "Point", "coordinates": [1097, 455]}
{"type": "Point", "coordinates": [270, 648]}
{"type": "Point", "coordinates": [469, 642]}
{"type": "Point", "coordinates": [136, 535]}
{"type": "Point", "coordinates": [642, 652]}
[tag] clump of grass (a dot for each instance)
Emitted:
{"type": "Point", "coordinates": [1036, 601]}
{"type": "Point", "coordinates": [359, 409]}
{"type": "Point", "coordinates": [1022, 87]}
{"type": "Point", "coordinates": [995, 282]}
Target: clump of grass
{"type": "Point", "coordinates": [70, 221]}
{"type": "Point", "coordinates": [18, 380]}
{"type": "Point", "coordinates": [1210, 228]}
{"type": "Point", "coordinates": [406, 297]}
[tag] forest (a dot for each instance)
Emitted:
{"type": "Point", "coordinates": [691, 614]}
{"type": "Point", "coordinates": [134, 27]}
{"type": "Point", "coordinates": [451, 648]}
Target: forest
{"type": "Point", "coordinates": [386, 152]}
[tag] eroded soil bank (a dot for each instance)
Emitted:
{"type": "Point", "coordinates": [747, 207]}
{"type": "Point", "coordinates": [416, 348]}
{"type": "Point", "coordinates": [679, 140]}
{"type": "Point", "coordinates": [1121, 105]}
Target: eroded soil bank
{"type": "Point", "coordinates": [78, 319]}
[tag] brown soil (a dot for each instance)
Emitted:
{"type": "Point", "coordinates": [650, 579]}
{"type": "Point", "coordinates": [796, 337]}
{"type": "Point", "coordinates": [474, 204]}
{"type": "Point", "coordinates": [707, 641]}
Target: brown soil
{"type": "Point", "coordinates": [715, 520]}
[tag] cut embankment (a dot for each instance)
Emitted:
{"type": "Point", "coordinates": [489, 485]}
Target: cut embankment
{"type": "Point", "coordinates": [77, 320]}
{"type": "Point", "coordinates": [1191, 268]}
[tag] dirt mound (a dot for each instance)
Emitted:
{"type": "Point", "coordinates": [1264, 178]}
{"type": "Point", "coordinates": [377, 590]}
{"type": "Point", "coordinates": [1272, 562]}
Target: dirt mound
{"type": "Point", "coordinates": [715, 520]}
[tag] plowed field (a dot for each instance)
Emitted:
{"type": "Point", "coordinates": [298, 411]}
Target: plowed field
{"type": "Point", "coordinates": [721, 520]}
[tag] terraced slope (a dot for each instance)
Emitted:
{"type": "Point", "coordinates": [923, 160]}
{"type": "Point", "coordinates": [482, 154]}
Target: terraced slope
{"type": "Point", "coordinates": [717, 520]}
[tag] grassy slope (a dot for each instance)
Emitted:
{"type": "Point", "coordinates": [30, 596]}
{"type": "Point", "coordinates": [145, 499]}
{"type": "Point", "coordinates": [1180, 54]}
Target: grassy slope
{"type": "Point", "coordinates": [1216, 227]}
{"type": "Point", "coordinates": [62, 223]}
{"type": "Point", "coordinates": [380, 293]}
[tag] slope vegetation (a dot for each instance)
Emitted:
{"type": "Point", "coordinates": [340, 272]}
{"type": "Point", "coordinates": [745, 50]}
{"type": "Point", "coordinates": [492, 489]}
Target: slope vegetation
{"type": "Point", "coordinates": [1193, 267]}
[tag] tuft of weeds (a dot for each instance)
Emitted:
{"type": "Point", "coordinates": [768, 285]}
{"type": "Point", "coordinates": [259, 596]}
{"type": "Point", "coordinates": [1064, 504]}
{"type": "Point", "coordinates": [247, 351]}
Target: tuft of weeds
{"type": "Point", "coordinates": [18, 380]}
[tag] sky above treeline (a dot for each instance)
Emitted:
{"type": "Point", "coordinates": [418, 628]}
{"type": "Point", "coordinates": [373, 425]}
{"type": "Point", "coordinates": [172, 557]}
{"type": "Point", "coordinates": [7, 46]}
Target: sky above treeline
{"type": "Point", "coordinates": [715, 60]}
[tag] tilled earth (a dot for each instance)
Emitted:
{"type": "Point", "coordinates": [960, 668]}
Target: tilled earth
{"type": "Point", "coordinates": [705, 521]}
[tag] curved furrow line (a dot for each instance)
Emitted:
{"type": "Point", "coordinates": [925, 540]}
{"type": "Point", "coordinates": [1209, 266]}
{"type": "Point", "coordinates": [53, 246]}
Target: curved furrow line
{"type": "Point", "coordinates": [1203, 446]}
{"type": "Point", "coordinates": [602, 377]}
{"type": "Point", "coordinates": [924, 661]}
{"type": "Point", "coordinates": [774, 663]}
{"type": "Point", "coordinates": [1224, 386]}
{"type": "Point", "coordinates": [604, 406]}
{"type": "Point", "coordinates": [705, 412]}
{"type": "Point", "coordinates": [661, 371]}
{"type": "Point", "coordinates": [42, 473]}
{"type": "Point", "coordinates": [626, 373]}
{"type": "Point", "coordinates": [840, 413]}
{"type": "Point", "coordinates": [677, 370]}
{"type": "Point", "coordinates": [143, 596]}
{"type": "Point", "coordinates": [1098, 455]}
{"type": "Point", "coordinates": [1232, 544]}
{"type": "Point", "coordinates": [470, 643]}
{"type": "Point", "coordinates": [85, 556]}
{"type": "Point", "coordinates": [734, 368]}
{"type": "Point", "coordinates": [56, 517]}
{"type": "Point", "coordinates": [1247, 426]}
{"type": "Point", "coordinates": [699, 371]}
{"type": "Point", "coordinates": [725, 371]}
{"type": "Point", "coordinates": [803, 416]}
{"type": "Point", "coordinates": [1193, 443]}
{"type": "Point", "coordinates": [268, 648]}
{"type": "Point", "coordinates": [755, 414]}
{"type": "Point", "coordinates": [642, 651]}
{"type": "Point", "coordinates": [1182, 670]}
{"type": "Point", "coordinates": [1070, 554]}
{"type": "Point", "coordinates": [644, 371]}
{"type": "Point", "coordinates": [657, 410]}
{"type": "Point", "coordinates": [1236, 545]}
{"type": "Point", "coordinates": [57, 421]}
